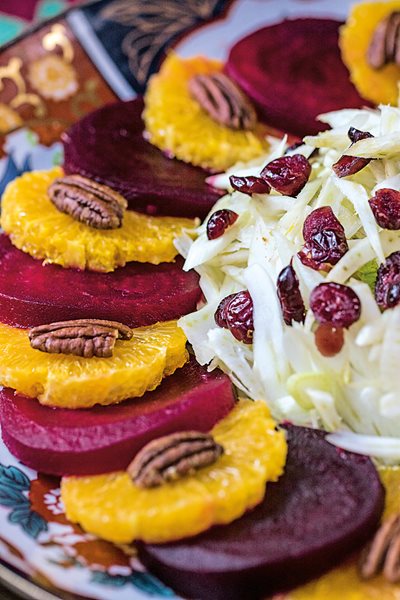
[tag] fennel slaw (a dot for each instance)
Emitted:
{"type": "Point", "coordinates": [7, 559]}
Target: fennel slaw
{"type": "Point", "coordinates": [359, 388]}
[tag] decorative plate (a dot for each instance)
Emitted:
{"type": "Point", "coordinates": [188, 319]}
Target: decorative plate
{"type": "Point", "coordinates": [49, 78]}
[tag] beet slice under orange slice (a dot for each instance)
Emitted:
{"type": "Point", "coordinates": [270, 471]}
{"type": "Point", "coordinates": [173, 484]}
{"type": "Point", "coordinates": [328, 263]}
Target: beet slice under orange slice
{"type": "Point", "coordinates": [105, 438]}
{"type": "Point", "coordinates": [108, 145]}
{"type": "Point", "coordinates": [327, 504]}
{"type": "Point", "coordinates": [138, 294]}
{"type": "Point", "coordinates": [293, 71]}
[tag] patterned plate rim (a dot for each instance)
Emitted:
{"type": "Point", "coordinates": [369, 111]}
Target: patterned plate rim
{"type": "Point", "coordinates": [24, 587]}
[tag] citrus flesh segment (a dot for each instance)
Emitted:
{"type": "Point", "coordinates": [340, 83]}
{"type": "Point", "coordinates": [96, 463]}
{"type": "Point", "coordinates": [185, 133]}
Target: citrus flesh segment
{"type": "Point", "coordinates": [104, 439]}
{"type": "Point", "coordinates": [326, 504]}
{"type": "Point", "coordinates": [68, 381]}
{"type": "Point", "coordinates": [36, 226]}
{"type": "Point", "coordinates": [113, 507]}
{"type": "Point", "coordinates": [293, 72]}
{"type": "Point", "coordinates": [138, 294]}
{"type": "Point", "coordinates": [109, 145]}
{"type": "Point", "coordinates": [380, 86]}
{"type": "Point", "coordinates": [177, 124]}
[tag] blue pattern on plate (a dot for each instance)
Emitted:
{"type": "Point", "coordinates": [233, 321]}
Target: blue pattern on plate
{"type": "Point", "coordinates": [14, 485]}
{"type": "Point", "coordinates": [142, 581]}
{"type": "Point", "coordinates": [12, 171]}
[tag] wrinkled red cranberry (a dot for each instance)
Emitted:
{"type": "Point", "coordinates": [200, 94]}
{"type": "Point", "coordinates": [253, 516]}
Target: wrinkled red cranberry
{"type": "Point", "coordinates": [235, 312]}
{"type": "Point", "coordinates": [325, 239]}
{"type": "Point", "coordinates": [386, 208]}
{"type": "Point", "coordinates": [249, 185]}
{"type": "Point", "coordinates": [239, 317]}
{"type": "Point", "coordinates": [350, 165]}
{"type": "Point", "coordinates": [355, 135]}
{"type": "Point", "coordinates": [335, 304]}
{"type": "Point", "coordinates": [219, 222]}
{"type": "Point", "coordinates": [287, 174]}
{"type": "Point", "coordinates": [220, 313]}
{"type": "Point", "coordinates": [329, 340]}
{"type": "Point", "coordinates": [387, 287]}
{"type": "Point", "coordinates": [289, 295]}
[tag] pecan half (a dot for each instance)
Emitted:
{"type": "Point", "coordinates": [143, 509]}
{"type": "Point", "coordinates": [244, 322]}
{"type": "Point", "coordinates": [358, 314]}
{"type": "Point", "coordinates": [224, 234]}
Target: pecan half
{"type": "Point", "coordinates": [384, 47]}
{"type": "Point", "coordinates": [87, 201]}
{"type": "Point", "coordinates": [173, 456]}
{"type": "Point", "coordinates": [81, 337]}
{"type": "Point", "coordinates": [223, 101]}
{"type": "Point", "coordinates": [383, 553]}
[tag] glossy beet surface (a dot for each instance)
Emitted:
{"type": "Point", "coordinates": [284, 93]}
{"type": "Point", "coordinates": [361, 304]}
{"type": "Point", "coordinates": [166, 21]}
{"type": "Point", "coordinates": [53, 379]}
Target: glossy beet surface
{"type": "Point", "coordinates": [138, 294]}
{"type": "Point", "coordinates": [293, 72]}
{"type": "Point", "coordinates": [108, 146]}
{"type": "Point", "coordinates": [327, 504]}
{"type": "Point", "coordinates": [103, 439]}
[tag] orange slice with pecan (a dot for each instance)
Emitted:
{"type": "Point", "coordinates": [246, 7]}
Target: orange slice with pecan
{"type": "Point", "coordinates": [38, 227]}
{"type": "Point", "coordinates": [368, 43]}
{"type": "Point", "coordinates": [199, 115]}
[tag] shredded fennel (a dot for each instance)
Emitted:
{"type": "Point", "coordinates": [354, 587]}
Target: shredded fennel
{"type": "Point", "coordinates": [357, 392]}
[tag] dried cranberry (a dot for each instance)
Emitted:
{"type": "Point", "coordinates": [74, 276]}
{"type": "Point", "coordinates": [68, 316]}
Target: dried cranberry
{"type": "Point", "coordinates": [289, 295]}
{"type": "Point", "coordinates": [219, 222]}
{"type": "Point", "coordinates": [386, 208]}
{"type": "Point", "coordinates": [355, 135]}
{"type": "Point", "coordinates": [350, 165]}
{"type": "Point", "coordinates": [335, 304]}
{"type": "Point", "coordinates": [287, 174]}
{"type": "Point", "coordinates": [249, 185]}
{"type": "Point", "coordinates": [235, 313]}
{"type": "Point", "coordinates": [329, 340]}
{"type": "Point", "coordinates": [325, 239]}
{"type": "Point", "coordinates": [239, 317]}
{"type": "Point", "coordinates": [387, 287]}
{"type": "Point", "coordinates": [220, 313]}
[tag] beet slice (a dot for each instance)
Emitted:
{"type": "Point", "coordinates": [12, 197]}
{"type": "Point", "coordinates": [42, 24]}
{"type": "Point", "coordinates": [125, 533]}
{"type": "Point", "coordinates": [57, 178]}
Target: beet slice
{"type": "Point", "coordinates": [293, 71]}
{"type": "Point", "coordinates": [138, 294]}
{"type": "Point", "coordinates": [108, 145]}
{"type": "Point", "coordinates": [105, 438]}
{"type": "Point", "coordinates": [327, 504]}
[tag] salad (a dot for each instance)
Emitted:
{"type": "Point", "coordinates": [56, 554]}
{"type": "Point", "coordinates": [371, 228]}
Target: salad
{"type": "Point", "coordinates": [350, 389]}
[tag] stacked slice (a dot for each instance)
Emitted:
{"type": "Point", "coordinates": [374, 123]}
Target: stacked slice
{"type": "Point", "coordinates": [86, 393]}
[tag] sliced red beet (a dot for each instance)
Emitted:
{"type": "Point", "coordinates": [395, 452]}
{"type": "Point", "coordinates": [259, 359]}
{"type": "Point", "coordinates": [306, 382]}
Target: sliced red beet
{"type": "Point", "coordinates": [138, 294]}
{"type": "Point", "coordinates": [293, 71]}
{"type": "Point", "coordinates": [327, 504]}
{"type": "Point", "coordinates": [108, 145]}
{"type": "Point", "coordinates": [105, 438]}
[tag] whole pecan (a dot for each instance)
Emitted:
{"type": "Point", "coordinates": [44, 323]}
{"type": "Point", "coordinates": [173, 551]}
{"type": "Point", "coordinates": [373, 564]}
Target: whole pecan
{"type": "Point", "coordinates": [223, 101]}
{"type": "Point", "coordinates": [87, 201]}
{"type": "Point", "coordinates": [384, 46]}
{"type": "Point", "coordinates": [383, 552]}
{"type": "Point", "coordinates": [81, 337]}
{"type": "Point", "coordinates": [173, 456]}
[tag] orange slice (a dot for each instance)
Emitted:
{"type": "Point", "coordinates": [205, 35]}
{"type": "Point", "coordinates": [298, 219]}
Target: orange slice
{"type": "Point", "coordinates": [379, 86]}
{"type": "Point", "coordinates": [114, 508]}
{"type": "Point", "coordinates": [37, 227]}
